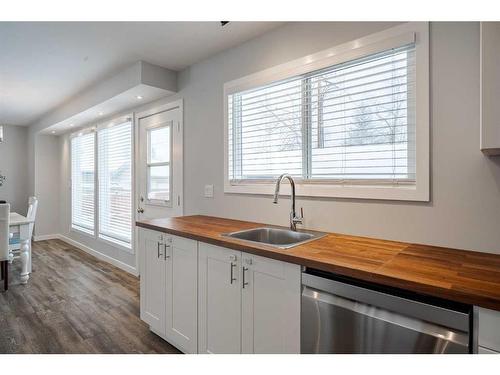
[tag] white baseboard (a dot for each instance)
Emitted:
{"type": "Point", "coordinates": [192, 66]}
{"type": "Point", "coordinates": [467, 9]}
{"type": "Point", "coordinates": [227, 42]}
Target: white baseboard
{"type": "Point", "coordinates": [44, 237]}
{"type": "Point", "coordinates": [99, 255]}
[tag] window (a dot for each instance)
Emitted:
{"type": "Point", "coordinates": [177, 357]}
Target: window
{"type": "Point", "coordinates": [101, 182]}
{"type": "Point", "coordinates": [158, 164]}
{"type": "Point", "coordinates": [350, 124]}
{"type": "Point", "coordinates": [115, 182]}
{"type": "Point", "coordinates": [83, 182]}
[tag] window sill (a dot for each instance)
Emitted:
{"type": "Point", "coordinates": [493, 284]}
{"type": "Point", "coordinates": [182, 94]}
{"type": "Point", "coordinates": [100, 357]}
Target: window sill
{"type": "Point", "coordinates": [82, 231]}
{"type": "Point", "coordinates": [112, 243]}
{"type": "Point", "coordinates": [419, 192]}
{"type": "Point", "coordinates": [116, 243]}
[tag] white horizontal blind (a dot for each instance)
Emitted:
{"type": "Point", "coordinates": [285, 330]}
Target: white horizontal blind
{"type": "Point", "coordinates": [83, 182]}
{"type": "Point", "coordinates": [353, 121]}
{"type": "Point", "coordinates": [115, 182]}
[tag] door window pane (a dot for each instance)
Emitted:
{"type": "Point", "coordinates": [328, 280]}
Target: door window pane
{"type": "Point", "coordinates": [159, 183]}
{"type": "Point", "coordinates": [158, 164]}
{"type": "Point", "coordinates": [159, 145]}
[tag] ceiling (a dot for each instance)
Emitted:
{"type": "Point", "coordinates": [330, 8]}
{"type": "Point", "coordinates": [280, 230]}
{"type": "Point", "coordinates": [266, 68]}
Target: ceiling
{"type": "Point", "coordinates": [43, 64]}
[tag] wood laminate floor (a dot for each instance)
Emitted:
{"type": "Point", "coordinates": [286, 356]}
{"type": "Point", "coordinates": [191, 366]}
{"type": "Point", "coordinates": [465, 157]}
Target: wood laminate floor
{"type": "Point", "coordinates": [73, 303]}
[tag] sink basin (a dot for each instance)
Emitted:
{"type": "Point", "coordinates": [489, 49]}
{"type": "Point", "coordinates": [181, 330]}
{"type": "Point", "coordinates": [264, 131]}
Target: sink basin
{"type": "Point", "coordinates": [281, 238]}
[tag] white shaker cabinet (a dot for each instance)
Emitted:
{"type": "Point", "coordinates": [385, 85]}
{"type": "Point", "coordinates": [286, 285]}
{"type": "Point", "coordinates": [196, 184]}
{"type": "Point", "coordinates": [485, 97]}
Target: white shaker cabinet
{"type": "Point", "coordinates": [489, 331]}
{"type": "Point", "coordinates": [169, 278]}
{"type": "Point", "coordinates": [153, 280]}
{"type": "Point", "coordinates": [247, 303]}
{"type": "Point", "coordinates": [219, 300]}
{"type": "Point", "coordinates": [270, 305]}
{"type": "Point", "coordinates": [181, 289]}
{"type": "Point", "coordinates": [490, 88]}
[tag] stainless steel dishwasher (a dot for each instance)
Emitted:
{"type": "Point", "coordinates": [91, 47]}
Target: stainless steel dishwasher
{"type": "Point", "coordinates": [342, 317]}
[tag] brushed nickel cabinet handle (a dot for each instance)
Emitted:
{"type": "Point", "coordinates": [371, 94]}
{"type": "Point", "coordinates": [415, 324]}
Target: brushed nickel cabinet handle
{"type": "Point", "coordinates": [165, 249]}
{"type": "Point", "coordinates": [244, 282]}
{"type": "Point", "coordinates": [158, 251]}
{"type": "Point", "coordinates": [232, 278]}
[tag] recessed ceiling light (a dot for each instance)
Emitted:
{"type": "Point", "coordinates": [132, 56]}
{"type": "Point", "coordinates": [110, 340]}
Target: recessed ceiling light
{"type": "Point", "coordinates": [101, 113]}
{"type": "Point", "coordinates": [71, 125]}
{"type": "Point", "coordinates": [139, 97]}
{"type": "Point", "coordinates": [53, 132]}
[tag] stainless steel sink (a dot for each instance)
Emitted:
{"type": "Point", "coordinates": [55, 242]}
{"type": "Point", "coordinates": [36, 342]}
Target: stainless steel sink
{"type": "Point", "coordinates": [281, 238]}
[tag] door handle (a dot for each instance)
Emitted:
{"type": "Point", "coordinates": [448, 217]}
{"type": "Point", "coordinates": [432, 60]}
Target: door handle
{"type": "Point", "coordinates": [232, 273]}
{"type": "Point", "coordinates": [244, 282]}
{"type": "Point", "coordinates": [140, 210]}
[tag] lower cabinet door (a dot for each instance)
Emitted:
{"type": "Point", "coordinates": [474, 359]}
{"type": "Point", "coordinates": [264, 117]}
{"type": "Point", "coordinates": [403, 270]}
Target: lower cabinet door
{"type": "Point", "coordinates": [271, 293]}
{"type": "Point", "coordinates": [489, 329]}
{"type": "Point", "coordinates": [153, 279]}
{"type": "Point", "coordinates": [219, 300]}
{"type": "Point", "coordinates": [181, 257]}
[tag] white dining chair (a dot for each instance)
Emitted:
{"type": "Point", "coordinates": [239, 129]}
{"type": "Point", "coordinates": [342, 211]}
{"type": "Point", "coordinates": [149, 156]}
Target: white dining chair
{"type": "Point", "coordinates": [4, 244]}
{"type": "Point", "coordinates": [14, 242]}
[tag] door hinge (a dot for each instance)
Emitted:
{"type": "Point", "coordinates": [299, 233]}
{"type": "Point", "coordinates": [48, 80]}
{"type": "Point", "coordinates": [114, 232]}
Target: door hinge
{"type": "Point", "coordinates": [178, 126]}
{"type": "Point", "coordinates": [178, 200]}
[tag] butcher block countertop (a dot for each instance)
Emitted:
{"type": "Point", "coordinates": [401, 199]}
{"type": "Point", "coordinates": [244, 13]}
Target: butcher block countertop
{"type": "Point", "coordinates": [458, 275]}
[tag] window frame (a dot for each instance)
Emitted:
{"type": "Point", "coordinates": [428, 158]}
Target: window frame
{"type": "Point", "coordinates": [411, 32]}
{"type": "Point", "coordinates": [96, 235]}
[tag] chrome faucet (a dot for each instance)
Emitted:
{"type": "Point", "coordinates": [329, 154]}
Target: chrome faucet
{"type": "Point", "coordinates": [294, 219]}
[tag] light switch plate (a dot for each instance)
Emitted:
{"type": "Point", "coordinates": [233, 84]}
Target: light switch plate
{"type": "Point", "coordinates": [209, 191]}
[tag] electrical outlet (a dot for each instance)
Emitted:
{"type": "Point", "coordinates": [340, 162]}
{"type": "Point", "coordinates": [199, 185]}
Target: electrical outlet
{"type": "Point", "coordinates": [209, 191]}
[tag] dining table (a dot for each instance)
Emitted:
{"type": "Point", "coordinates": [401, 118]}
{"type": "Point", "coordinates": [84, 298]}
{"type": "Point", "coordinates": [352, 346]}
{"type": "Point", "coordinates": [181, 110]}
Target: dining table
{"type": "Point", "coordinates": [19, 224]}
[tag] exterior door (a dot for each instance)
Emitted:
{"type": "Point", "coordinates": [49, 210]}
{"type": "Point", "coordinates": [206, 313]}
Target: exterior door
{"type": "Point", "coordinates": [153, 280]}
{"type": "Point", "coordinates": [159, 170]}
{"type": "Point", "coordinates": [219, 300]}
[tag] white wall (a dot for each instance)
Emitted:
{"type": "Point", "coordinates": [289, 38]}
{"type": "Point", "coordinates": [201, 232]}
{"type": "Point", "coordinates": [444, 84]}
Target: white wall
{"type": "Point", "coordinates": [464, 211]}
{"type": "Point", "coordinates": [14, 166]}
{"type": "Point", "coordinates": [47, 185]}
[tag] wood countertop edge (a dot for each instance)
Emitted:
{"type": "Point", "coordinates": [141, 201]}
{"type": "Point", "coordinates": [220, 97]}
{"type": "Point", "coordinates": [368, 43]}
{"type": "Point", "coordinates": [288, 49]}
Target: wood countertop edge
{"type": "Point", "coordinates": [356, 273]}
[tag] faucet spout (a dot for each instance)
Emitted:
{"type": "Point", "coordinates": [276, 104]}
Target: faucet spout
{"type": "Point", "coordinates": [294, 219]}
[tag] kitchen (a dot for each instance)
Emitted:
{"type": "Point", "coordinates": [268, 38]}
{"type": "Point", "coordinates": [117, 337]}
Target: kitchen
{"type": "Point", "coordinates": [265, 188]}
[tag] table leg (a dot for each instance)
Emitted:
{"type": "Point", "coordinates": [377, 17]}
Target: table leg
{"type": "Point", "coordinates": [25, 258]}
{"type": "Point", "coordinates": [30, 256]}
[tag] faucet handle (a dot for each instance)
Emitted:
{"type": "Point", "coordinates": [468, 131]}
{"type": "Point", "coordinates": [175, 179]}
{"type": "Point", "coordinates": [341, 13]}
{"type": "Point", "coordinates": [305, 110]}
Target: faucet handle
{"type": "Point", "coordinates": [298, 219]}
